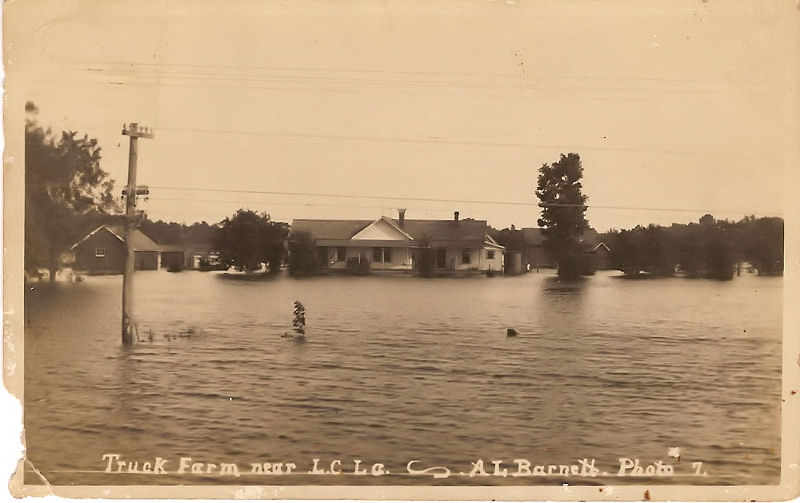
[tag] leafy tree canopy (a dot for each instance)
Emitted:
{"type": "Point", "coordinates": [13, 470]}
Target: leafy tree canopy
{"type": "Point", "coordinates": [707, 249]}
{"type": "Point", "coordinates": [248, 239]}
{"type": "Point", "coordinates": [65, 189]}
{"type": "Point", "coordinates": [173, 233]}
{"type": "Point", "coordinates": [563, 219]}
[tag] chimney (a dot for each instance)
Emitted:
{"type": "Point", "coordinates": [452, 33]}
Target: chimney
{"type": "Point", "coordinates": [401, 217]}
{"type": "Point", "coordinates": [455, 216]}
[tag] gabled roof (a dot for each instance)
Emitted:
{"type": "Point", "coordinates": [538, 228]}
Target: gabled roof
{"type": "Point", "coordinates": [92, 233]}
{"type": "Point", "coordinates": [492, 243]}
{"type": "Point", "coordinates": [447, 230]}
{"type": "Point", "coordinates": [388, 221]}
{"type": "Point", "coordinates": [462, 232]}
{"type": "Point", "coordinates": [330, 229]}
{"type": "Point", "coordinates": [601, 245]}
{"type": "Point", "coordinates": [140, 240]}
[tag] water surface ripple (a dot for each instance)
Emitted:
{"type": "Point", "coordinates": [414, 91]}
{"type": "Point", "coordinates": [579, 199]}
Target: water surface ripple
{"type": "Point", "coordinates": [402, 368]}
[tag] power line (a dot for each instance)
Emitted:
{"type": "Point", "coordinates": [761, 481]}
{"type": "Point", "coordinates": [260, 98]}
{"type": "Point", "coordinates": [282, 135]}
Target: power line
{"type": "Point", "coordinates": [422, 199]}
{"type": "Point", "coordinates": [276, 203]}
{"type": "Point", "coordinates": [129, 64]}
{"type": "Point", "coordinates": [335, 80]}
{"type": "Point", "coordinates": [532, 93]}
{"type": "Point", "coordinates": [441, 141]}
{"type": "Point", "coordinates": [246, 203]}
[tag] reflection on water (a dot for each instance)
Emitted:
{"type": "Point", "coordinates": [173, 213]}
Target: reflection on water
{"type": "Point", "coordinates": [396, 369]}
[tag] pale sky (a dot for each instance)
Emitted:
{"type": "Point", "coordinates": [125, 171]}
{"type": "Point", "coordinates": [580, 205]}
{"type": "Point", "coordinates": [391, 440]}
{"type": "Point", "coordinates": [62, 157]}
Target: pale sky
{"type": "Point", "coordinates": [676, 108]}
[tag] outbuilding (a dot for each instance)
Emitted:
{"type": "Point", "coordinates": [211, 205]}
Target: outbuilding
{"type": "Point", "coordinates": [104, 251]}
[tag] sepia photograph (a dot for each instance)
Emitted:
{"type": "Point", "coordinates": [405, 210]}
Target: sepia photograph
{"type": "Point", "coordinates": [467, 249]}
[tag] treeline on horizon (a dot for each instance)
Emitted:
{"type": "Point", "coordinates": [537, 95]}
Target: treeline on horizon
{"type": "Point", "coordinates": [173, 233]}
{"type": "Point", "coordinates": [707, 249]}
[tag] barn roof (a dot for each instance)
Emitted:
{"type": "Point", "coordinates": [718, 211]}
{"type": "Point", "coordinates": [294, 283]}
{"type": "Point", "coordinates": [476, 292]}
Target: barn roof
{"type": "Point", "coordinates": [141, 242]}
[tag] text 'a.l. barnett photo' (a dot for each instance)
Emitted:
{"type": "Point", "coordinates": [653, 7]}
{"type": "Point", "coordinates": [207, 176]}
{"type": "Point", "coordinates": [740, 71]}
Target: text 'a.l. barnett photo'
{"type": "Point", "coordinates": [444, 250]}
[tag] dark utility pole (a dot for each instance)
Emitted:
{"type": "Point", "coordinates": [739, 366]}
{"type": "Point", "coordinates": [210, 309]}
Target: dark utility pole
{"type": "Point", "coordinates": [130, 192]}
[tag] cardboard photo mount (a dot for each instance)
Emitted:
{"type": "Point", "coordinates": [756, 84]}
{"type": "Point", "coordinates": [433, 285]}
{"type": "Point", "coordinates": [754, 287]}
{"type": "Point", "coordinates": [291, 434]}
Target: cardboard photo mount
{"type": "Point", "coordinates": [29, 66]}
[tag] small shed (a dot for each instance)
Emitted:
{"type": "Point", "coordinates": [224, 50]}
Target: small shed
{"type": "Point", "coordinates": [103, 251]}
{"type": "Point", "coordinates": [603, 258]}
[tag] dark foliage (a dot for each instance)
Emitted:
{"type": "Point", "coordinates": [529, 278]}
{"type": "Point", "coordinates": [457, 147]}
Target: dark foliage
{"type": "Point", "coordinates": [512, 238]}
{"type": "Point", "coordinates": [707, 249]}
{"type": "Point", "coordinates": [299, 321]}
{"type": "Point", "coordinates": [66, 191]}
{"type": "Point", "coordinates": [563, 212]}
{"type": "Point", "coordinates": [303, 257]}
{"type": "Point", "coordinates": [248, 239]}
{"type": "Point", "coordinates": [358, 265]}
{"type": "Point", "coordinates": [425, 258]}
{"type": "Point", "coordinates": [762, 244]}
{"type": "Point", "coordinates": [172, 233]}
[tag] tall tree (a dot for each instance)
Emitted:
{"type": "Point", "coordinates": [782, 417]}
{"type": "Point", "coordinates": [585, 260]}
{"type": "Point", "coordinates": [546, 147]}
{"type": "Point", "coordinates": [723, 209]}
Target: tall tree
{"type": "Point", "coordinates": [563, 212]}
{"type": "Point", "coordinates": [248, 239]}
{"type": "Point", "coordinates": [65, 190]}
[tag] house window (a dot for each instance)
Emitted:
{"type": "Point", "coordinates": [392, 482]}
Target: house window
{"type": "Point", "coordinates": [323, 255]}
{"type": "Point", "coordinates": [341, 253]}
{"type": "Point", "coordinates": [376, 255]}
{"type": "Point", "coordinates": [466, 257]}
{"type": "Point", "coordinates": [490, 254]}
{"type": "Point", "coordinates": [99, 252]}
{"type": "Point", "coordinates": [387, 254]}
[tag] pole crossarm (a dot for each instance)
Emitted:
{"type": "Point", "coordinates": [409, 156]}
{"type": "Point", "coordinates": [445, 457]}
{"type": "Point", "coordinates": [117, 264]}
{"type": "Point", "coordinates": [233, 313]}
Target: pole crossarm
{"type": "Point", "coordinates": [141, 190]}
{"type": "Point", "coordinates": [135, 130]}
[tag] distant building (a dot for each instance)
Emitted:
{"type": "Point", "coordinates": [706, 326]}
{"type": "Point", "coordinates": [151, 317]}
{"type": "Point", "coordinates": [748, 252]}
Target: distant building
{"type": "Point", "coordinates": [173, 257]}
{"type": "Point", "coordinates": [103, 251]}
{"type": "Point", "coordinates": [389, 244]}
{"type": "Point", "coordinates": [534, 253]}
{"type": "Point", "coordinates": [201, 256]}
{"type": "Point", "coordinates": [602, 258]}
{"type": "Point", "coordinates": [537, 256]}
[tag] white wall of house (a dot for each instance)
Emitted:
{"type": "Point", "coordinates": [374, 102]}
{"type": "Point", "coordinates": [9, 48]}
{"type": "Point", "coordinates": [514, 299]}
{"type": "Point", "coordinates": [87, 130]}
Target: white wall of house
{"type": "Point", "coordinates": [495, 263]}
{"type": "Point", "coordinates": [478, 260]}
{"type": "Point", "coordinates": [400, 258]}
{"type": "Point", "coordinates": [454, 259]}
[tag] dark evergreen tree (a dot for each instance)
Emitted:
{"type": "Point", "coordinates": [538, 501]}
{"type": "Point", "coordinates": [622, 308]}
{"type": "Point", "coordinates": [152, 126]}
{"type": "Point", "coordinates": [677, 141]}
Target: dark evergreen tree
{"type": "Point", "coordinates": [563, 204]}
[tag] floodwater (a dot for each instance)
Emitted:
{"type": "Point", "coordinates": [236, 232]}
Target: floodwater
{"type": "Point", "coordinates": [396, 369]}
